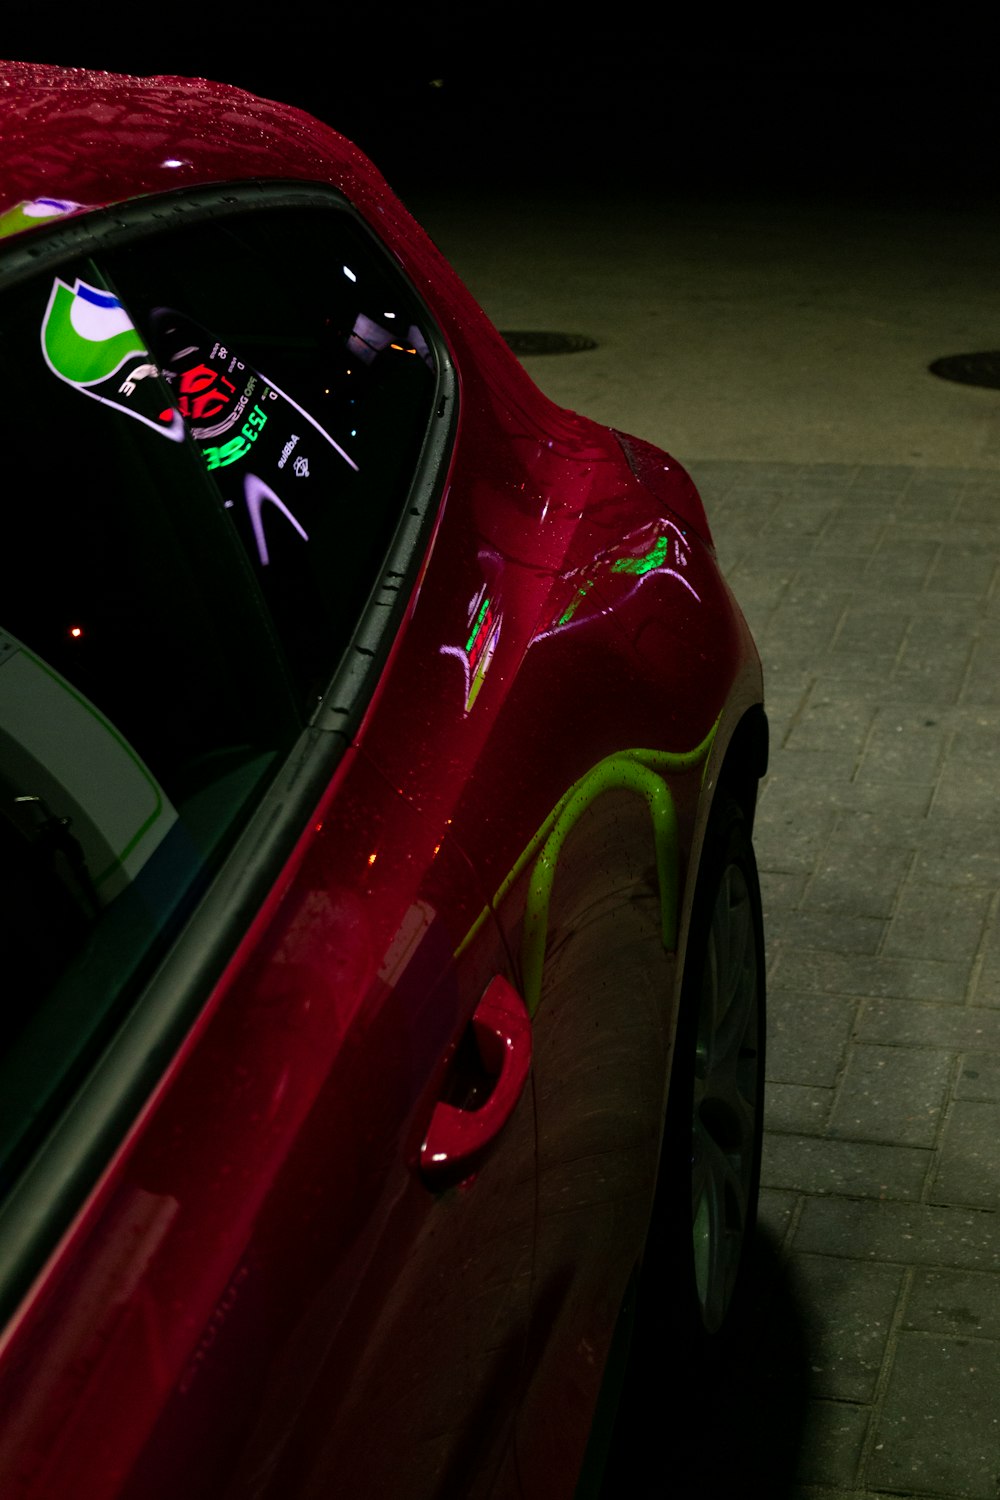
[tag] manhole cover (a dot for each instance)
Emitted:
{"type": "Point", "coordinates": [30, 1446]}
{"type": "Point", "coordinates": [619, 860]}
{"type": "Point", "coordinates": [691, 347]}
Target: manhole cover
{"type": "Point", "coordinates": [534, 341]}
{"type": "Point", "coordinates": [970, 369]}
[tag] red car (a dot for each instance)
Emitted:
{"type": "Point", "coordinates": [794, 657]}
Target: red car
{"type": "Point", "coordinates": [379, 746]}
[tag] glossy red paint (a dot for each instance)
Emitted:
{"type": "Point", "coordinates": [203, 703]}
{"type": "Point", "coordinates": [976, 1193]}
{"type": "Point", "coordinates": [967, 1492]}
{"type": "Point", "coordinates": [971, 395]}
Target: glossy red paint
{"type": "Point", "coordinates": [263, 1291]}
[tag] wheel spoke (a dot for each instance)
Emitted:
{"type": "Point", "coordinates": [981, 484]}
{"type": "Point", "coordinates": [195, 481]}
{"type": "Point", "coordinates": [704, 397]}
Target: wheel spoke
{"type": "Point", "coordinates": [719, 1207]}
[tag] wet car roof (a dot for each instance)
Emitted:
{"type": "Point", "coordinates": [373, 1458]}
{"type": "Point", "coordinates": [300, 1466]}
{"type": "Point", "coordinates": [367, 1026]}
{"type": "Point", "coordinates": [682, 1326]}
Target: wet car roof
{"type": "Point", "coordinates": [132, 136]}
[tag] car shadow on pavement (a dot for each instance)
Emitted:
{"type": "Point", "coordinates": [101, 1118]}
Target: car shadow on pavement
{"type": "Point", "coordinates": [709, 1433]}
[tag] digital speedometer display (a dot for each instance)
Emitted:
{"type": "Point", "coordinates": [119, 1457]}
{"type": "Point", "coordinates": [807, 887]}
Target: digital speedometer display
{"type": "Point", "coordinates": [270, 453]}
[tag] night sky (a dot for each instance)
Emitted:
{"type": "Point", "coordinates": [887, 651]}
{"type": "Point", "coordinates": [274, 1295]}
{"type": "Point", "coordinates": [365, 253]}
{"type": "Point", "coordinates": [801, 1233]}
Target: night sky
{"type": "Point", "coordinates": [457, 96]}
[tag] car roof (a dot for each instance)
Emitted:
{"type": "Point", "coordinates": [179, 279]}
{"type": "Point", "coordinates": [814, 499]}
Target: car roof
{"type": "Point", "coordinates": [95, 139]}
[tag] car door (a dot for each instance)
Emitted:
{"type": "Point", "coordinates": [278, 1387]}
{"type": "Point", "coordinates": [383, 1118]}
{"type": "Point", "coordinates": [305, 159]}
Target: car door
{"type": "Point", "coordinates": [559, 747]}
{"type": "Point", "coordinates": [595, 657]}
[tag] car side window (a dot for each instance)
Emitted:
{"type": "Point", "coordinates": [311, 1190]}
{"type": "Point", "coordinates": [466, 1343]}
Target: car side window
{"type": "Point", "coordinates": [211, 434]}
{"type": "Point", "coordinates": [143, 705]}
{"type": "Point", "coordinates": [302, 366]}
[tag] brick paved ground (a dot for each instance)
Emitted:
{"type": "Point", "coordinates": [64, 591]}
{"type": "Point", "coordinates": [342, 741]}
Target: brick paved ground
{"type": "Point", "coordinates": [873, 594]}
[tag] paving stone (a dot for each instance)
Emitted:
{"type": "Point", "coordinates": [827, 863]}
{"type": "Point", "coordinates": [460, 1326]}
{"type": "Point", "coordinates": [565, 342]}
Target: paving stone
{"type": "Point", "coordinates": [847, 1311]}
{"type": "Point", "coordinates": [911, 1023]}
{"type": "Point", "coordinates": [787, 689]}
{"type": "Point", "coordinates": [987, 632]}
{"type": "Point", "coordinates": [979, 1077]}
{"type": "Point", "coordinates": [875, 978]}
{"type": "Point", "coordinates": [818, 767]}
{"type": "Point", "coordinates": [776, 552]}
{"type": "Point", "coordinates": [960, 788]}
{"type": "Point", "coordinates": [785, 841]}
{"type": "Point", "coordinates": [986, 982]}
{"type": "Point", "coordinates": [968, 1168]}
{"type": "Point", "coordinates": [797, 1109]}
{"type": "Point", "coordinates": [981, 684]}
{"type": "Point", "coordinates": [938, 650]}
{"type": "Point", "coordinates": [941, 626]}
{"type": "Point", "coordinates": [833, 930]}
{"type": "Point", "coordinates": [807, 1164]}
{"type": "Point", "coordinates": [900, 561]}
{"type": "Point", "coordinates": [753, 491]}
{"type": "Point", "coordinates": [806, 626]}
{"type": "Point", "coordinates": [758, 596]}
{"type": "Point", "coordinates": [827, 722]}
{"type": "Point", "coordinates": [782, 710]}
{"type": "Point", "coordinates": [878, 632]}
{"type": "Point", "coordinates": [826, 568]}
{"type": "Point", "coordinates": [715, 476]}
{"type": "Point", "coordinates": [862, 880]}
{"type": "Point", "coordinates": [937, 923]}
{"type": "Point", "coordinates": [807, 1037]}
{"type": "Point", "coordinates": [975, 736]}
{"type": "Point", "coordinates": [804, 518]}
{"type": "Point", "coordinates": [939, 620]}
{"type": "Point", "coordinates": [893, 1094]}
{"type": "Point", "coordinates": [916, 681]}
{"type": "Point", "coordinates": [832, 1440]}
{"type": "Point", "coordinates": [817, 785]}
{"type": "Point", "coordinates": [854, 536]}
{"type": "Point", "coordinates": [955, 1302]}
{"type": "Point", "coordinates": [887, 799]}
{"type": "Point", "coordinates": [807, 603]}
{"type": "Point", "coordinates": [904, 745]}
{"type": "Point", "coordinates": [961, 569]}
{"type": "Point", "coordinates": [978, 503]}
{"type": "Point", "coordinates": [781, 891]}
{"type": "Point", "coordinates": [918, 1234]}
{"type": "Point", "coordinates": [856, 673]}
{"type": "Point", "coordinates": [896, 831]}
{"type": "Point", "coordinates": [960, 855]}
{"type": "Point", "coordinates": [990, 951]}
{"type": "Point", "coordinates": [775, 1213]}
{"type": "Point", "coordinates": [939, 1432]}
{"type": "Point", "coordinates": [829, 475]}
{"type": "Point", "coordinates": [877, 479]}
{"type": "Point", "coordinates": [931, 503]}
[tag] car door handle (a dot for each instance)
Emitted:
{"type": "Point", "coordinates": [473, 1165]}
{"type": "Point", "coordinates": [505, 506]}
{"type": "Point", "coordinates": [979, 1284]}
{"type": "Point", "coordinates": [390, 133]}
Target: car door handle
{"type": "Point", "coordinates": [501, 1031]}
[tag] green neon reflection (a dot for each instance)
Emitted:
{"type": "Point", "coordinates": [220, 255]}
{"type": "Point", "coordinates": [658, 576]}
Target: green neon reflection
{"type": "Point", "coordinates": [581, 594]}
{"type": "Point", "coordinates": [654, 558]}
{"type": "Point", "coordinates": [639, 771]}
{"type": "Point", "coordinates": [475, 629]}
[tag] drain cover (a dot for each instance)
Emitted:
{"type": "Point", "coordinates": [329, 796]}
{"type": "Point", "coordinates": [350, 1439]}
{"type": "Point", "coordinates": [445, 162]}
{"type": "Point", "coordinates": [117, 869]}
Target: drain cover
{"type": "Point", "coordinates": [970, 369]}
{"type": "Point", "coordinates": [534, 341]}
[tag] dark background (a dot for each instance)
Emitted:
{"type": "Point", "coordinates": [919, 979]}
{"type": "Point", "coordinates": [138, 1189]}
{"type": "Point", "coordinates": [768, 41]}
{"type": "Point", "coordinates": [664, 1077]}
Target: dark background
{"type": "Point", "coordinates": [650, 99]}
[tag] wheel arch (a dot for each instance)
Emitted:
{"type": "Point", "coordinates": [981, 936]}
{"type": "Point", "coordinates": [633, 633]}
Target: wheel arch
{"type": "Point", "coordinates": [746, 761]}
